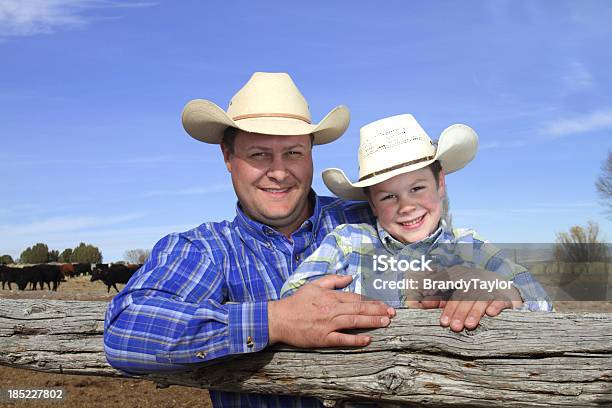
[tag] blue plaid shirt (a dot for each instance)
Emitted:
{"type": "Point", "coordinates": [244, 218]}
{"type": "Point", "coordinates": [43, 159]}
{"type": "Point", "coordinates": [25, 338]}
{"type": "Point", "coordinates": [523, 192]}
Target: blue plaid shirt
{"type": "Point", "coordinates": [203, 294]}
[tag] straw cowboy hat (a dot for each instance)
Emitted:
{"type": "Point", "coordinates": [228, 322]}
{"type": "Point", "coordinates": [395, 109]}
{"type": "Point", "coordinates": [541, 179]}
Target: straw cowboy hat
{"type": "Point", "coordinates": [269, 103]}
{"type": "Point", "coordinates": [397, 145]}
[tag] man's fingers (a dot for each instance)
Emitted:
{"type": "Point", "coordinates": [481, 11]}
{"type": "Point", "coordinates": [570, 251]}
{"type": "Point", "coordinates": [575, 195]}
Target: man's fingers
{"type": "Point", "coordinates": [335, 339]}
{"type": "Point", "coordinates": [333, 281]}
{"type": "Point", "coordinates": [362, 309]}
{"type": "Point", "coordinates": [360, 322]}
{"type": "Point", "coordinates": [413, 304]}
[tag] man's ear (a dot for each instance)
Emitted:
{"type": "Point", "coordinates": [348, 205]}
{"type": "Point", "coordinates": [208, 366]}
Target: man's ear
{"type": "Point", "coordinates": [226, 157]}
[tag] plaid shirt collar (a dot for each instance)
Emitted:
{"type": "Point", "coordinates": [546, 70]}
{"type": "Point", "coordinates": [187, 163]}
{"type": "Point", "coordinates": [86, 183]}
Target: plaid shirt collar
{"type": "Point", "coordinates": [442, 234]}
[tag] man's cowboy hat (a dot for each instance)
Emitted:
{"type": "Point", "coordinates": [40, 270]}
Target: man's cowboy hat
{"type": "Point", "coordinates": [397, 145]}
{"type": "Point", "coordinates": [269, 103]}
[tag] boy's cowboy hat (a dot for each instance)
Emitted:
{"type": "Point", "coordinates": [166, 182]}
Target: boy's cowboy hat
{"type": "Point", "coordinates": [397, 145]}
{"type": "Point", "coordinates": [269, 103]}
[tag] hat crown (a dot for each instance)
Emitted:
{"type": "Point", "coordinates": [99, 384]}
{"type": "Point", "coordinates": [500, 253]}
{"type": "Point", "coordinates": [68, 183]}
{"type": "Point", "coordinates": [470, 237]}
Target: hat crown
{"type": "Point", "coordinates": [269, 94]}
{"type": "Point", "coordinates": [392, 141]}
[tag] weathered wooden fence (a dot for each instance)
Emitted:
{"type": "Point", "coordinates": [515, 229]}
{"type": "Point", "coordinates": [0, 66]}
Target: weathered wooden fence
{"type": "Point", "coordinates": [513, 360]}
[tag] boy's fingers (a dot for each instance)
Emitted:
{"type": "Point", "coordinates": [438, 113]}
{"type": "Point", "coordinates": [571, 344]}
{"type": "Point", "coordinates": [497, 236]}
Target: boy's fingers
{"type": "Point", "coordinates": [448, 312]}
{"type": "Point", "coordinates": [461, 313]}
{"type": "Point", "coordinates": [475, 314]}
{"type": "Point", "coordinates": [414, 304]}
{"type": "Point", "coordinates": [497, 306]}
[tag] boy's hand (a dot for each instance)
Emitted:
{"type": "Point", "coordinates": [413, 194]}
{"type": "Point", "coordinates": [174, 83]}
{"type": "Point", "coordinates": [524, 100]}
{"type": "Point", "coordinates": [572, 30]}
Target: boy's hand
{"type": "Point", "coordinates": [464, 309]}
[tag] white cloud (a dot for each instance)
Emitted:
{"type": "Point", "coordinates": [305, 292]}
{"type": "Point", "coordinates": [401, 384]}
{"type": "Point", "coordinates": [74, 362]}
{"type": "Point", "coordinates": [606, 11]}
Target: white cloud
{"type": "Point", "coordinates": [215, 188]}
{"type": "Point", "coordinates": [32, 17]}
{"type": "Point", "coordinates": [62, 224]}
{"type": "Point", "coordinates": [577, 77]}
{"type": "Point", "coordinates": [580, 124]}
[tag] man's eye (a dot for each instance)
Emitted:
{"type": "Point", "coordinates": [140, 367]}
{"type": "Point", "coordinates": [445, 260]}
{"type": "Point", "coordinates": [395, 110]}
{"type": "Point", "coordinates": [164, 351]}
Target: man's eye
{"type": "Point", "coordinates": [259, 155]}
{"type": "Point", "coordinates": [417, 188]}
{"type": "Point", "coordinates": [294, 153]}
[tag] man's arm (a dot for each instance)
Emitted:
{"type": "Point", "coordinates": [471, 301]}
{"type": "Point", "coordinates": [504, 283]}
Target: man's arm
{"type": "Point", "coordinates": [171, 313]}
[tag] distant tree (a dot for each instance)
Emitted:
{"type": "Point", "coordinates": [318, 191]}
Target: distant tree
{"type": "Point", "coordinates": [85, 253]}
{"type": "Point", "coordinates": [53, 255]}
{"type": "Point", "coordinates": [137, 256]}
{"type": "Point", "coordinates": [581, 245]}
{"type": "Point", "coordinates": [6, 259]}
{"type": "Point", "coordinates": [604, 183]}
{"type": "Point", "coordinates": [39, 253]}
{"type": "Point", "coordinates": [65, 255]}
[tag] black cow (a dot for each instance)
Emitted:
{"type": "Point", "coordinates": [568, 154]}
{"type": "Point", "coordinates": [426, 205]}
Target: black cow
{"type": "Point", "coordinates": [20, 276]}
{"type": "Point", "coordinates": [113, 274]}
{"type": "Point", "coordinates": [82, 269]}
{"type": "Point", "coordinates": [46, 273]}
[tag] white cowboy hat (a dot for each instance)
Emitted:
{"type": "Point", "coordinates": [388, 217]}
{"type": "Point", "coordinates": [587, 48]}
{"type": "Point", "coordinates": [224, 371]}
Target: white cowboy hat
{"type": "Point", "coordinates": [269, 103]}
{"type": "Point", "coordinates": [397, 145]}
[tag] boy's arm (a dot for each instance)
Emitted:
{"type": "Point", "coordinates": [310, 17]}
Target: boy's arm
{"type": "Point", "coordinates": [329, 258]}
{"type": "Point", "coordinates": [532, 293]}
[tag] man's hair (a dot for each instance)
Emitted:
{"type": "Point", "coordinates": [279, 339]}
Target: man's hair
{"type": "Point", "coordinates": [229, 137]}
{"type": "Point", "coordinates": [435, 168]}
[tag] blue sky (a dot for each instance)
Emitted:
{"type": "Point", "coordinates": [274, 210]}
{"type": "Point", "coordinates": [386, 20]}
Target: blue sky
{"type": "Point", "coordinates": [92, 148]}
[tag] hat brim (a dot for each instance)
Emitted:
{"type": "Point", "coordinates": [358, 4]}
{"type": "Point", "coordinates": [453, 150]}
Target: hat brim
{"type": "Point", "coordinates": [205, 121]}
{"type": "Point", "coordinates": [457, 146]}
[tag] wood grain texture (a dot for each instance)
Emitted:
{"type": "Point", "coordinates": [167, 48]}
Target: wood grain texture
{"type": "Point", "coordinates": [516, 359]}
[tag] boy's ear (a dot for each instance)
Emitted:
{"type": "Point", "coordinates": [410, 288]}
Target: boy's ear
{"type": "Point", "coordinates": [371, 202]}
{"type": "Point", "coordinates": [441, 183]}
{"type": "Point", "coordinates": [226, 157]}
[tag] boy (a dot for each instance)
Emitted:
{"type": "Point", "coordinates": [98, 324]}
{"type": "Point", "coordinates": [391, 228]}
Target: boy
{"type": "Point", "coordinates": [402, 175]}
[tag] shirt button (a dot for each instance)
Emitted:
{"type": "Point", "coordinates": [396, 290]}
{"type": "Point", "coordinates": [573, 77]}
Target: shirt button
{"type": "Point", "coordinates": [201, 354]}
{"type": "Point", "coordinates": [297, 258]}
{"type": "Point", "coordinates": [249, 342]}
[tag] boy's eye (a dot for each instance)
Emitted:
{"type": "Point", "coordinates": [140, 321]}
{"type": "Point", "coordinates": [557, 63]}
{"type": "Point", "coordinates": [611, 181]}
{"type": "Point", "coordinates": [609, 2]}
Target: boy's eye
{"type": "Point", "coordinates": [388, 197]}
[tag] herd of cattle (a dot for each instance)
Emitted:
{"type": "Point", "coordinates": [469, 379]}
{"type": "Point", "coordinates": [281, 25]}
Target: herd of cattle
{"type": "Point", "coordinates": [53, 274]}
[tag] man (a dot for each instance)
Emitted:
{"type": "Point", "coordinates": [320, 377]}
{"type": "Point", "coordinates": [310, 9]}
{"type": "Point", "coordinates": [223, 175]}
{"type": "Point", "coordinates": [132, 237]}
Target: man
{"type": "Point", "coordinates": [213, 291]}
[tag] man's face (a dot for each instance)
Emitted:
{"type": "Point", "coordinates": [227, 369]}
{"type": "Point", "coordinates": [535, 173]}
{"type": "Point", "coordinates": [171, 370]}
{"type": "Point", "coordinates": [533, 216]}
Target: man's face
{"type": "Point", "coordinates": [272, 177]}
{"type": "Point", "coordinates": [409, 205]}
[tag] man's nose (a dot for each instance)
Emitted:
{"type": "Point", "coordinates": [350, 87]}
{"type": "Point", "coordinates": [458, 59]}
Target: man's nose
{"type": "Point", "coordinates": [278, 169]}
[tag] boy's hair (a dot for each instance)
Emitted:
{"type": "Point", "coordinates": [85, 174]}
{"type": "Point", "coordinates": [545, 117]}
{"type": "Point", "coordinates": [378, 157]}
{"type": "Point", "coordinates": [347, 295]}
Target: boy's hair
{"type": "Point", "coordinates": [435, 168]}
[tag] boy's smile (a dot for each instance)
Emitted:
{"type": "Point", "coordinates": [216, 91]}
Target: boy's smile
{"type": "Point", "coordinates": [409, 205]}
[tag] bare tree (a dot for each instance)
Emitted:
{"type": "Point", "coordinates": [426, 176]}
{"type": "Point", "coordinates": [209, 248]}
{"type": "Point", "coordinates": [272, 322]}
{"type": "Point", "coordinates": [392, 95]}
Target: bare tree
{"type": "Point", "coordinates": [137, 256]}
{"type": "Point", "coordinates": [604, 183]}
{"type": "Point", "coordinates": [581, 245]}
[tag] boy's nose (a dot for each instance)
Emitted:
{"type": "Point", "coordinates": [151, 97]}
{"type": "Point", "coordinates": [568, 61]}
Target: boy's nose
{"type": "Point", "coordinates": [406, 206]}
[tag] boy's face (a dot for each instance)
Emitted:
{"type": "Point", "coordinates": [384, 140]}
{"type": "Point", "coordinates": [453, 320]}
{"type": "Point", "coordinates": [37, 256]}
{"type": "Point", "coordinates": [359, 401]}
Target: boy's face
{"type": "Point", "coordinates": [409, 205]}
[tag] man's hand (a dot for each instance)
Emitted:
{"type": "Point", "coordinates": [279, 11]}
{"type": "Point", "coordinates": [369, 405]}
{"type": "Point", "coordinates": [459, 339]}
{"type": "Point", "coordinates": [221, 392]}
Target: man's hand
{"type": "Point", "coordinates": [313, 316]}
{"type": "Point", "coordinates": [465, 309]}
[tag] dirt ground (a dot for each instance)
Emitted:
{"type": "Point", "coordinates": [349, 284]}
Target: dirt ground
{"type": "Point", "coordinates": [91, 391]}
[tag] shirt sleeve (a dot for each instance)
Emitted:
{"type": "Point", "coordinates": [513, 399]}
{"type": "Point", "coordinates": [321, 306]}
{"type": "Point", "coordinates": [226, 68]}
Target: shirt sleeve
{"type": "Point", "coordinates": [533, 294]}
{"type": "Point", "coordinates": [329, 258]}
{"type": "Point", "coordinates": [172, 313]}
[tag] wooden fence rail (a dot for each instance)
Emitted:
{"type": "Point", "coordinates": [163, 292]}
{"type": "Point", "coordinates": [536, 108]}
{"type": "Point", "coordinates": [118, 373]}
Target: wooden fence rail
{"type": "Point", "coordinates": [514, 360]}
